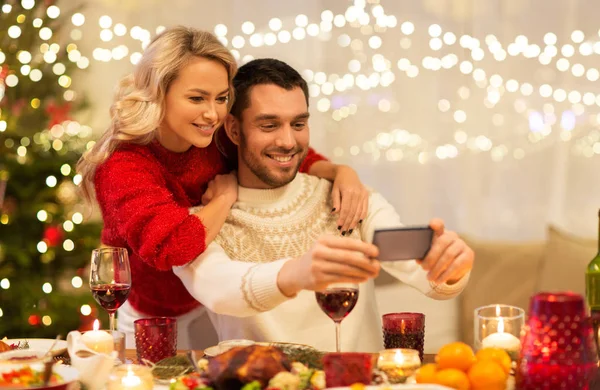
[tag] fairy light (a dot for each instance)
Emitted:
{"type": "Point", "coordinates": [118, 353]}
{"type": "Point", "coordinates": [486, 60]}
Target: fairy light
{"type": "Point", "coordinates": [5, 284]}
{"type": "Point", "coordinates": [86, 310]}
{"type": "Point", "coordinates": [42, 215]}
{"type": "Point", "coordinates": [77, 218]}
{"type": "Point", "coordinates": [47, 288]}
{"type": "Point", "coordinates": [68, 245]}
{"type": "Point", "coordinates": [77, 282]}
{"type": "Point", "coordinates": [68, 226]}
{"type": "Point", "coordinates": [369, 69]}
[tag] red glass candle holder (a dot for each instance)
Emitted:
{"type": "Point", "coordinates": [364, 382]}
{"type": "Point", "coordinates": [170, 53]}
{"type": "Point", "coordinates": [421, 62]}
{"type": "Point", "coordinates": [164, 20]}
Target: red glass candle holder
{"type": "Point", "coordinates": [404, 330]}
{"type": "Point", "coordinates": [155, 339]}
{"type": "Point", "coordinates": [558, 350]}
{"type": "Point", "coordinates": [348, 368]}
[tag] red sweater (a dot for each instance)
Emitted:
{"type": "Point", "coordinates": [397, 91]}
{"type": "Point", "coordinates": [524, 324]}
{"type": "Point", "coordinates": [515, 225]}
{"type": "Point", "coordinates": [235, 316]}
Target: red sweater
{"type": "Point", "coordinates": [144, 192]}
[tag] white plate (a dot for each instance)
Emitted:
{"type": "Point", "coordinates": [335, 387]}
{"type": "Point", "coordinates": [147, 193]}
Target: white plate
{"type": "Point", "coordinates": [41, 344]}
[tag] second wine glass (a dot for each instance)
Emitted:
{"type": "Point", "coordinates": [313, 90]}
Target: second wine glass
{"type": "Point", "coordinates": [337, 301]}
{"type": "Point", "coordinates": [110, 279]}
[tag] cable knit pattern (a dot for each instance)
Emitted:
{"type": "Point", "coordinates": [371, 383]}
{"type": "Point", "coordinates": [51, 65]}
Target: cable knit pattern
{"type": "Point", "coordinates": [278, 223]}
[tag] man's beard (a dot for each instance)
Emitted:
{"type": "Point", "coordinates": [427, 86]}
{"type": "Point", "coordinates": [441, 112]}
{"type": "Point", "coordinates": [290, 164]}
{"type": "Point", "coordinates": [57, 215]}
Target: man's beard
{"type": "Point", "coordinates": [263, 172]}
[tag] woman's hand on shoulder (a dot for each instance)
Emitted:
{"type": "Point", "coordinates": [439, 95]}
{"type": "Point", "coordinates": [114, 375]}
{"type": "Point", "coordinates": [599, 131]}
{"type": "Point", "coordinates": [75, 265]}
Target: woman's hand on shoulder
{"type": "Point", "coordinates": [350, 199]}
{"type": "Point", "coordinates": [225, 186]}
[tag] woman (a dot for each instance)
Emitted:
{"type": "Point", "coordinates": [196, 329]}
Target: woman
{"type": "Point", "coordinates": [157, 159]}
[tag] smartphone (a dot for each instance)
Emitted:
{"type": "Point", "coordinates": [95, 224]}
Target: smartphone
{"type": "Point", "coordinates": [405, 243]}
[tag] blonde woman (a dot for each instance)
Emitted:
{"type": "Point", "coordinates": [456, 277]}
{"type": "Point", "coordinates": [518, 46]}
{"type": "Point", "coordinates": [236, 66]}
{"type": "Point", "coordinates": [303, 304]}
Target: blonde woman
{"type": "Point", "coordinates": [158, 158]}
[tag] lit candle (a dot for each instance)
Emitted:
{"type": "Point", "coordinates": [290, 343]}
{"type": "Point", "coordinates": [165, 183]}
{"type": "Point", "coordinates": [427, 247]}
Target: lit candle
{"type": "Point", "coordinates": [131, 377]}
{"type": "Point", "coordinates": [398, 364]}
{"type": "Point", "coordinates": [98, 340]}
{"type": "Point", "coordinates": [502, 339]}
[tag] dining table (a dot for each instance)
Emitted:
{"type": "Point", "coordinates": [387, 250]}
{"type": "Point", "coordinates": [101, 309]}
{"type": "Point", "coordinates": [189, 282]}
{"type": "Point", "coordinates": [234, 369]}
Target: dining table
{"type": "Point", "coordinates": [131, 355]}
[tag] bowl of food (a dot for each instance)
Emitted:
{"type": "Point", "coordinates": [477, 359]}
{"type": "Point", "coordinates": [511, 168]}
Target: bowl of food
{"type": "Point", "coordinates": [24, 376]}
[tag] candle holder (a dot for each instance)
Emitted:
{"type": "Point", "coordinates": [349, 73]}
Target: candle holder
{"type": "Point", "coordinates": [398, 364]}
{"type": "Point", "coordinates": [94, 340]}
{"type": "Point", "coordinates": [499, 326]}
{"type": "Point", "coordinates": [130, 377]}
{"type": "Point", "coordinates": [558, 351]}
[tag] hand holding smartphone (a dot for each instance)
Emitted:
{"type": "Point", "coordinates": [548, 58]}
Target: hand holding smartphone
{"type": "Point", "coordinates": [405, 243]}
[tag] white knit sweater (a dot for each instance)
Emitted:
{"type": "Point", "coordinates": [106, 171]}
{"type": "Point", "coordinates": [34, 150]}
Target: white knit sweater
{"type": "Point", "coordinates": [236, 277]}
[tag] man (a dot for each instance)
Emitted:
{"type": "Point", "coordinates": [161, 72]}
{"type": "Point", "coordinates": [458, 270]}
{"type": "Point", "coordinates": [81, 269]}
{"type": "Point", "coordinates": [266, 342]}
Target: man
{"type": "Point", "coordinates": [280, 242]}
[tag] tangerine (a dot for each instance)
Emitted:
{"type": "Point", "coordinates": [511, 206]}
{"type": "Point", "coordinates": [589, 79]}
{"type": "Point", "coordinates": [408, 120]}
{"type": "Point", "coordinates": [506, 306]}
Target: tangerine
{"type": "Point", "coordinates": [497, 355]}
{"type": "Point", "coordinates": [455, 355]}
{"type": "Point", "coordinates": [487, 375]}
{"type": "Point", "coordinates": [451, 377]}
{"type": "Point", "coordinates": [426, 374]}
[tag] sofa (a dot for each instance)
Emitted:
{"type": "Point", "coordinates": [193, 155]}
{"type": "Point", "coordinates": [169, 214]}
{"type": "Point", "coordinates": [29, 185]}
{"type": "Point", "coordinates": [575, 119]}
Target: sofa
{"type": "Point", "coordinates": [504, 273]}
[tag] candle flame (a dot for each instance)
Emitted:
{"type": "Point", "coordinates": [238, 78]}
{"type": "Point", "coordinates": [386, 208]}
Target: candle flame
{"type": "Point", "coordinates": [96, 324]}
{"type": "Point", "coordinates": [500, 325]}
{"type": "Point", "coordinates": [399, 357]}
{"type": "Point", "coordinates": [497, 310]}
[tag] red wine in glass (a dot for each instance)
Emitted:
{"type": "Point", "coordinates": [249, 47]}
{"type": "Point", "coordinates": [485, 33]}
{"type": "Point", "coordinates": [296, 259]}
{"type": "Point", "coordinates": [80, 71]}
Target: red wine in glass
{"type": "Point", "coordinates": [110, 279]}
{"type": "Point", "coordinates": [111, 296]}
{"type": "Point", "coordinates": [337, 301]}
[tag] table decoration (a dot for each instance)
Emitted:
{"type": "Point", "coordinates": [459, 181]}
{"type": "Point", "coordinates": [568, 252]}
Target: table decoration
{"type": "Point", "coordinates": [347, 368]}
{"type": "Point", "coordinates": [499, 326]}
{"type": "Point", "coordinates": [558, 349]}
{"type": "Point", "coordinates": [155, 339]}
{"type": "Point", "coordinates": [98, 340]}
{"type": "Point", "coordinates": [398, 364]}
{"type": "Point", "coordinates": [404, 330]}
{"type": "Point", "coordinates": [130, 377]}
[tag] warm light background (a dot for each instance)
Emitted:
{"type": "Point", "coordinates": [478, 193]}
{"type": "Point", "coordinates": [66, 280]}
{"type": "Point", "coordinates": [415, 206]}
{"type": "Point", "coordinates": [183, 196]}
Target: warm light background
{"type": "Point", "coordinates": [482, 112]}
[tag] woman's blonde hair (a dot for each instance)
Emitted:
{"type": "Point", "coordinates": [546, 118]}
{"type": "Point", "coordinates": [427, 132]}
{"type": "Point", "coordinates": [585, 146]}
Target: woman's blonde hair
{"type": "Point", "coordinates": [138, 107]}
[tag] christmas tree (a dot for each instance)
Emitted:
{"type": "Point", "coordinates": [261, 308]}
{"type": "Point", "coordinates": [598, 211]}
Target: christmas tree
{"type": "Point", "coordinates": [45, 240]}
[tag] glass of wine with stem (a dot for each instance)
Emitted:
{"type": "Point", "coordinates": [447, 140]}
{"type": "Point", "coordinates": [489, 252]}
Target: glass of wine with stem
{"type": "Point", "coordinates": [337, 301]}
{"type": "Point", "coordinates": [110, 279]}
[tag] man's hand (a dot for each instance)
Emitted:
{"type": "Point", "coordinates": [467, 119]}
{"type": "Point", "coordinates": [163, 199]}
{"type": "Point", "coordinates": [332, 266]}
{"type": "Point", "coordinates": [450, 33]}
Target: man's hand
{"type": "Point", "coordinates": [449, 258]}
{"type": "Point", "coordinates": [330, 260]}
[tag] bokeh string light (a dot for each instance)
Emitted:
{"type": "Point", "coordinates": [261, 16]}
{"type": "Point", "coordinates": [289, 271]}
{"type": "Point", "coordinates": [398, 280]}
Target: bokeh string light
{"type": "Point", "coordinates": [568, 115]}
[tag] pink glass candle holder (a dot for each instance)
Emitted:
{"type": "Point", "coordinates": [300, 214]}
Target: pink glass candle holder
{"type": "Point", "coordinates": [405, 331]}
{"type": "Point", "coordinates": [558, 350]}
{"type": "Point", "coordinates": [155, 339]}
{"type": "Point", "coordinates": [348, 368]}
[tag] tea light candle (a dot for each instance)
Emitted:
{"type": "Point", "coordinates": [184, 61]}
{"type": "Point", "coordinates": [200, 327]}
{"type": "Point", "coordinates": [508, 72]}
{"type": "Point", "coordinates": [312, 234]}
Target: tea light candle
{"type": "Point", "coordinates": [98, 340]}
{"type": "Point", "coordinates": [131, 377]}
{"type": "Point", "coordinates": [398, 364]}
{"type": "Point", "coordinates": [502, 339]}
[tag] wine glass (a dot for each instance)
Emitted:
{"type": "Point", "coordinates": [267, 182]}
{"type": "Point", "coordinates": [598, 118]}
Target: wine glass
{"type": "Point", "coordinates": [337, 301]}
{"type": "Point", "coordinates": [110, 279]}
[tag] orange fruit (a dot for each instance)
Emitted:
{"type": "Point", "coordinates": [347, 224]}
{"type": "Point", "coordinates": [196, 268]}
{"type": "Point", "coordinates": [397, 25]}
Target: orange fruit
{"type": "Point", "coordinates": [455, 355]}
{"type": "Point", "coordinates": [453, 378]}
{"type": "Point", "coordinates": [426, 374]}
{"type": "Point", "coordinates": [487, 375]}
{"type": "Point", "coordinates": [497, 355]}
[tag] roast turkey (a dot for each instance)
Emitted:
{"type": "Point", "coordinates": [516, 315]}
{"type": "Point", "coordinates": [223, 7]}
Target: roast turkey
{"type": "Point", "coordinates": [240, 365]}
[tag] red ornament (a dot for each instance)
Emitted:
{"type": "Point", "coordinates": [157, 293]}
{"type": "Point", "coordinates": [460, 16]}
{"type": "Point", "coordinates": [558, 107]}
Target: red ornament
{"type": "Point", "coordinates": [34, 320]}
{"type": "Point", "coordinates": [53, 235]}
{"type": "Point", "coordinates": [58, 114]}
